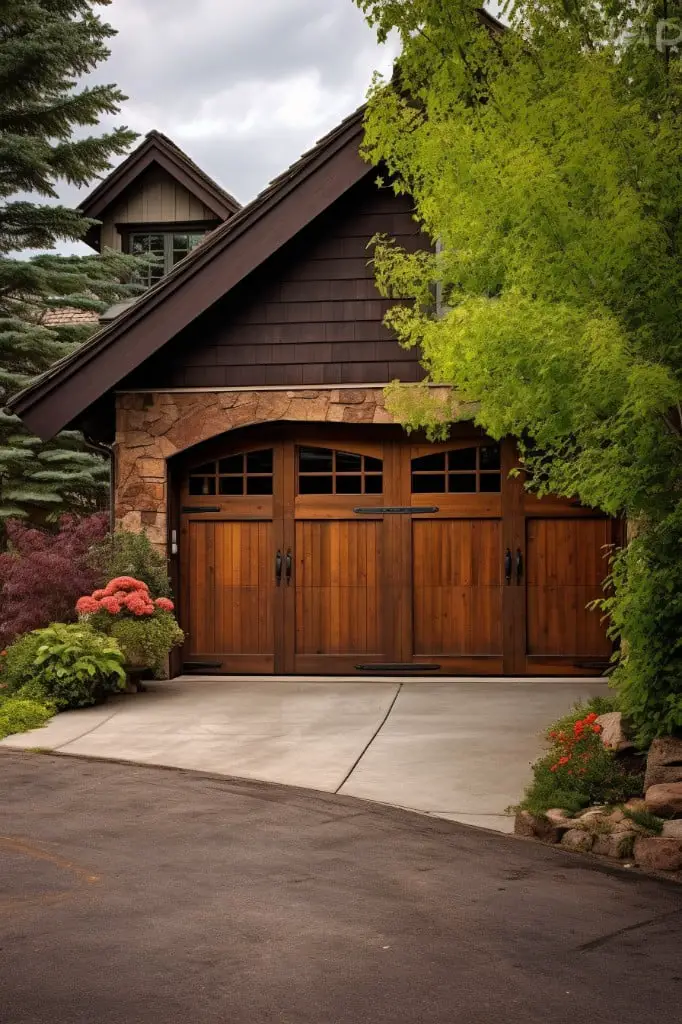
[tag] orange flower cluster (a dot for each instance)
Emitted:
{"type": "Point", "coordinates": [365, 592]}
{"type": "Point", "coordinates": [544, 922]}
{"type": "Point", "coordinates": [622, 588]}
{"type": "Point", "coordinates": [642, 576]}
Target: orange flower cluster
{"type": "Point", "coordinates": [121, 595]}
{"type": "Point", "coordinates": [576, 750]}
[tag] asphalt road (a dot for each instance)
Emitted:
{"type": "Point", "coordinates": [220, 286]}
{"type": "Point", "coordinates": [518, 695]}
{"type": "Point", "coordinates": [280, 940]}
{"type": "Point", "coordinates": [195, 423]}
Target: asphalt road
{"type": "Point", "coordinates": [148, 896]}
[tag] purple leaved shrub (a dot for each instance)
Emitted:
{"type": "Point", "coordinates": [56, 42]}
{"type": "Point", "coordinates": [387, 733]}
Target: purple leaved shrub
{"type": "Point", "coordinates": [43, 573]}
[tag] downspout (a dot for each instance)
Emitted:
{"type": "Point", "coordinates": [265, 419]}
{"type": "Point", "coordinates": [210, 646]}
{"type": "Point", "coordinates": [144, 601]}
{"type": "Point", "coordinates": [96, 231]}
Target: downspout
{"type": "Point", "coordinates": [108, 451]}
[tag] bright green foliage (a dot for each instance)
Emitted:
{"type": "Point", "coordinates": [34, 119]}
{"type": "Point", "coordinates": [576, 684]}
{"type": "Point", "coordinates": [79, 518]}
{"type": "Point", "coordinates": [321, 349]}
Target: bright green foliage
{"type": "Point", "coordinates": [72, 666]}
{"type": "Point", "coordinates": [16, 663]}
{"type": "Point", "coordinates": [19, 715]}
{"type": "Point", "coordinates": [145, 642]}
{"type": "Point", "coordinates": [592, 775]}
{"type": "Point", "coordinates": [132, 554]}
{"type": "Point", "coordinates": [45, 48]}
{"type": "Point", "coordinates": [546, 161]}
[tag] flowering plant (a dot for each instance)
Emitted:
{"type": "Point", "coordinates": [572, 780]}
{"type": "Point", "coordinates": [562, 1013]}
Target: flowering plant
{"type": "Point", "coordinates": [120, 596]}
{"type": "Point", "coordinates": [144, 628]}
{"type": "Point", "coordinates": [578, 770]}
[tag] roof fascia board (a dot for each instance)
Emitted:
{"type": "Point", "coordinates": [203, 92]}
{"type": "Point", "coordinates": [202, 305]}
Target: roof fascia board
{"type": "Point", "coordinates": [149, 325]}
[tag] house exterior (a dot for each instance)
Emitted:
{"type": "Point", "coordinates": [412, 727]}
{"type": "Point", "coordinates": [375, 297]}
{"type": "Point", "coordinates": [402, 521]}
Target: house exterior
{"type": "Point", "coordinates": [306, 531]}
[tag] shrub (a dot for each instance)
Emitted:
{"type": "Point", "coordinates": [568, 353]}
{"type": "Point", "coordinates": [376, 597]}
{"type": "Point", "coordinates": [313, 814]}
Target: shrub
{"type": "Point", "coordinates": [17, 663]}
{"type": "Point", "coordinates": [646, 610]}
{"type": "Point", "coordinates": [17, 715]}
{"type": "Point", "coordinates": [131, 554]}
{"type": "Point", "coordinates": [145, 628]}
{"type": "Point", "coordinates": [42, 573]}
{"type": "Point", "coordinates": [578, 770]}
{"type": "Point", "coordinates": [76, 666]}
{"type": "Point", "coordinates": [147, 642]}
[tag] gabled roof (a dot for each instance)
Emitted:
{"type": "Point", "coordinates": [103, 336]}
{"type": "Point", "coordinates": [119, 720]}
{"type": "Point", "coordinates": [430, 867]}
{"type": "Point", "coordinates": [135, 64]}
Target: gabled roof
{"type": "Point", "coordinates": [229, 254]}
{"type": "Point", "coordinates": [157, 148]}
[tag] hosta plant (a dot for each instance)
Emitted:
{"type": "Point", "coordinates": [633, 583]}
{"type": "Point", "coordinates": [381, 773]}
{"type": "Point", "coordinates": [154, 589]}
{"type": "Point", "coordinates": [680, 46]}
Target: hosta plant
{"type": "Point", "coordinates": [72, 666]}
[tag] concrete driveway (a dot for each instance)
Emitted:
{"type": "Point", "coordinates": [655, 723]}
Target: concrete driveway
{"type": "Point", "coordinates": [455, 749]}
{"type": "Point", "coordinates": [134, 895]}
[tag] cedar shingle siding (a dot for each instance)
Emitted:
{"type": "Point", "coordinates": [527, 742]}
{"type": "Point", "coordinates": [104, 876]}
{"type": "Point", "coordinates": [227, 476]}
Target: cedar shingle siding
{"type": "Point", "coordinates": [310, 315]}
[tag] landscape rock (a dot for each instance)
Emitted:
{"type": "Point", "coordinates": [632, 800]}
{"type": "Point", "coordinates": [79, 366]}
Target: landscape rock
{"type": "Point", "coordinates": [636, 803]}
{"type": "Point", "coordinates": [617, 845]}
{"type": "Point", "coordinates": [578, 839]}
{"type": "Point", "coordinates": [613, 735]}
{"type": "Point", "coordinates": [559, 818]}
{"type": "Point", "coordinates": [665, 800]}
{"type": "Point", "coordinates": [664, 762]}
{"type": "Point", "coordinates": [672, 829]}
{"type": "Point", "coordinates": [654, 853]}
{"type": "Point", "coordinates": [535, 826]}
{"type": "Point", "coordinates": [592, 815]}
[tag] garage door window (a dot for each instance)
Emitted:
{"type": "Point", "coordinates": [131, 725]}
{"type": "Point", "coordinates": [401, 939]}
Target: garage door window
{"type": "Point", "coordinates": [459, 471]}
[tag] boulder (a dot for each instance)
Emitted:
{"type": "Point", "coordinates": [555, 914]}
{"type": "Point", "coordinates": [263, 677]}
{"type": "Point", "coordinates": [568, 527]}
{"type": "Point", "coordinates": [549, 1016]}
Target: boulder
{"type": "Point", "coordinates": [672, 829]}
{"type": "Point", "coordinates": [578, 839]}
{"type": "Point", "coordinates": [559, 818]}
{"type": "Point", "coordinates": [664, 762]}
{"type": "Point", "coordinates": [655, 853]}
{"type": "Point", "coordinates": [535, 826]}
{"type": "Point", "coordinates": [617, 845]}
{"type": "Point", "coordinates": [613, 734]}
{"type": "Point", "coordinates": [665, 800]}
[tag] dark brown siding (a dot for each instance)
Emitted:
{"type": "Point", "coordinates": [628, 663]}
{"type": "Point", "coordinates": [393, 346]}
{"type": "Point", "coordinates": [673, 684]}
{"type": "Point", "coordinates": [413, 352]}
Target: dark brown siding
{"type": "Point", "coordinates": [310, 315]}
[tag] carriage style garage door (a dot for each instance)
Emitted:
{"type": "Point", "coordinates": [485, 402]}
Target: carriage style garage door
{"type": "Point", "coordinates": [320, 550]}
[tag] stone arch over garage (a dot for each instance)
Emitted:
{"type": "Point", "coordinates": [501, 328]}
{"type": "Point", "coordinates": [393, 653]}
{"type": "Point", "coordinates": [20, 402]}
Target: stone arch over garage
{"type": "Point", "coordinates": [151, 428]}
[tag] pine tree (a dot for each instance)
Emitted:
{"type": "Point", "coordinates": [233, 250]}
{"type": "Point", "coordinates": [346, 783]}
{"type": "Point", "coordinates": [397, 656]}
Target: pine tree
{"type": "Point", "coordinates": [46, 47]}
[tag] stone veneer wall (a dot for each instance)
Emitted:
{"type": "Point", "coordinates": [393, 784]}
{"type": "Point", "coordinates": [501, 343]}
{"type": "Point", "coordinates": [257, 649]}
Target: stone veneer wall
{"type": "Point", "coordinates": [152, 427]}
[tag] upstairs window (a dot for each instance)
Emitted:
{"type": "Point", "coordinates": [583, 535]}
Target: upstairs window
{"type": "Point", "coordinates": [168, 248]}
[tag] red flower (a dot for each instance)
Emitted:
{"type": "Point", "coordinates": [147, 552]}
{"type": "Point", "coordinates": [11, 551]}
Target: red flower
{"type": "Point", "coordinates": [127, 583]}
{"type": "Point", "coordinates": [597, 729]}
{"type": "Point", "coordinates": [164, 604]}
{"type": "Point", "coordinates": [111, 604]}
{"type": "Point", "coordinates": [99, 594]}
{"type": "Point", "coordinates": [138, 604]}
{"type": "Point", "coordinates": [564, 760]}
{"type": "Point", "coordinates": [87, 606]}
{"type": "Point", "coordinates": [3, 654]}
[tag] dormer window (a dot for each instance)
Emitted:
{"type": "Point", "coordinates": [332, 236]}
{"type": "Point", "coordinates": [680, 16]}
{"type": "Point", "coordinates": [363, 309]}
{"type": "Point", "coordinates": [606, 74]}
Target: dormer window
{"type": "Point", "coordinates": [169, 247]}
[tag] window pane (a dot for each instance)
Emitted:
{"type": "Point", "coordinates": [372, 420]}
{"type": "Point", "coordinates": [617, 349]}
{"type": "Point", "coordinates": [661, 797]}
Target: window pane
{"type": "Point", "coordinates": [259, 485]}
{"type": "Point", "coordinates": [462, 483]}
{"type": "Point", "coordinates": [259, 462]}
{"type": "Point", "coordinates": [232, 485]}
{"type": "Point", "coordinates": [373, 465]}
{"type": "Point", "coordinates": [349, 485]}
{"type": "Point", "coordinates": [428, 483]}
{"type": "Point", "coordinates": [490, 457]}
{"type": "Point", "coordinates": [346, 462]}
{"type": "Point", "coordinates": [315, 460]}
{"type": "Point", "coordinates": [315, 485]}
{"type": "Point", "coordinates": [202, 485]}
{"type": "Point", "coordinates": [233, 464]}
{"type": "Point", "coordinates": [435, 461]}
{"type": "Point", "coordinates": [491, 483]}
{"type": "Point", "coordinates": [374, 484]}
{"type": "Point", "coordinates": [462, 458]}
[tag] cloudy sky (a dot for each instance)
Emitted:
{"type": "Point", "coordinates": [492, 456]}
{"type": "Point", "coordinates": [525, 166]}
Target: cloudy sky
{"type": "Point", "coordinates": [243, 86]}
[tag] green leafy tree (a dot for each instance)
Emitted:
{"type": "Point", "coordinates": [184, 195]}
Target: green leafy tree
{"type": "Point", "coordinates": [546, 162]}
{"type": "Point", "coordinates": [46, 46]}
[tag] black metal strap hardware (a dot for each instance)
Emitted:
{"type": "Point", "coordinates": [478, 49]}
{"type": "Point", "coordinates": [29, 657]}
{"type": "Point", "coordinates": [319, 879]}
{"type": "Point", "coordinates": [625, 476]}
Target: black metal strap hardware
{"type": "Point", "coordinates": [288, 566]}
{"type": "Point", "coordinates": [201, 508]}
{"type": "Point", "coordinates": [278, 568]}
{"type": "Point", "coordinates": [380, 666]}
{"type": "Point", "coordinates": [396, 510]}
{"type": "Point", "coordinates": [519, 565]}
{"type": "Point", "coordinates": [507, 566]}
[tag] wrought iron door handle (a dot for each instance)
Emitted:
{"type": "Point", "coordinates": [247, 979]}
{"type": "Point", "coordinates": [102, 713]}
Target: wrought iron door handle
{"type": "Point", "coordinates": [507, 565]}
{"type": "Point", "coordinates": [288, 565]}
{"type": "Point", "coordinates": [519, 565]}
{"type": "Point", "coordinates": [278, 568]}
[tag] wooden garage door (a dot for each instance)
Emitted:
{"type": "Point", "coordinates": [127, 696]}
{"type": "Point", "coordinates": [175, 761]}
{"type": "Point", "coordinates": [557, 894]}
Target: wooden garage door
{"type": "Point", "coordinates": [327, 552]}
